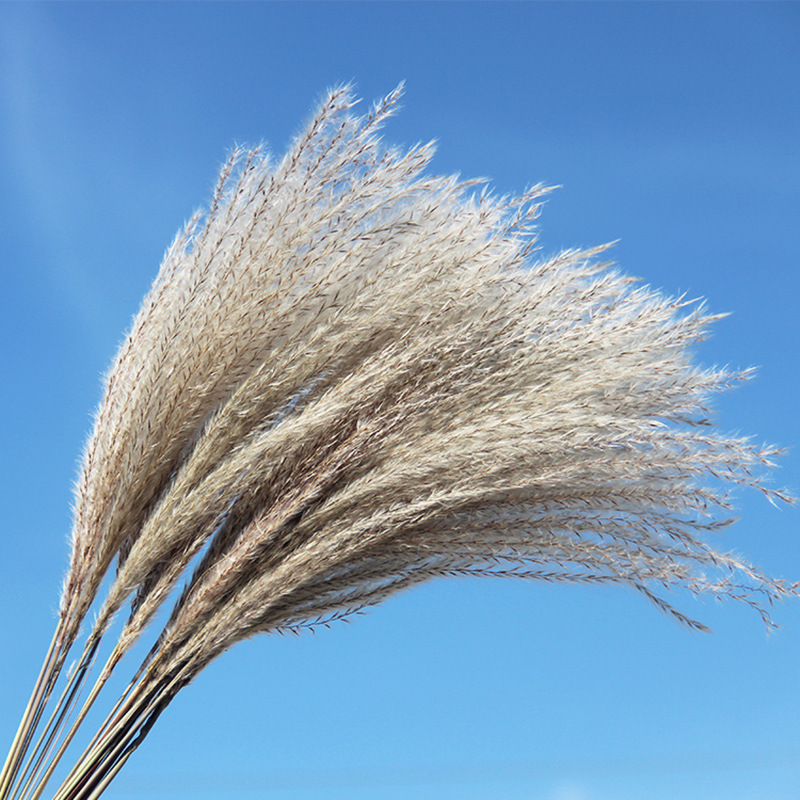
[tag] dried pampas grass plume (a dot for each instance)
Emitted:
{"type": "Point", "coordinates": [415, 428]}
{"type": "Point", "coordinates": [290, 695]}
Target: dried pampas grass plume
{"type": "Point", "coordinates": [350, 377]}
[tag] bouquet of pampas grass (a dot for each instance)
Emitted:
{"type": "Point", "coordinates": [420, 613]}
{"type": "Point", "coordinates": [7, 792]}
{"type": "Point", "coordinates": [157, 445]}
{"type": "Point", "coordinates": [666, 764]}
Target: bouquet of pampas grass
{"type": "Point", "coordinates": [350, 377]}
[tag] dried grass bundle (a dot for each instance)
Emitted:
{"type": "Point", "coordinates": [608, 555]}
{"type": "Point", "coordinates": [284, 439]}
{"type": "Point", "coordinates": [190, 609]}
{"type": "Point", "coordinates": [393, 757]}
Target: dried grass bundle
{"type": "Point", "coordinates": [352, 377]}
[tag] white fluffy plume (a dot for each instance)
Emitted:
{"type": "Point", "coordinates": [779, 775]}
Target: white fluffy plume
{"type": "Point", "coordinates": [350, 377]}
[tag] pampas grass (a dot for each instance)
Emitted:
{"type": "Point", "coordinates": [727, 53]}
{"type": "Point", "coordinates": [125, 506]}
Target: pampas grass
{"type": "Point", "coordinates": [350, 377]}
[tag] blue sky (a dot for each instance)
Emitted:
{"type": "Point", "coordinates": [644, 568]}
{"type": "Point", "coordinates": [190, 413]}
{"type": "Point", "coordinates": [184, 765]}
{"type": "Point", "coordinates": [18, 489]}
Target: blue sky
{"type": "Point", "coordinates": [671, 127]}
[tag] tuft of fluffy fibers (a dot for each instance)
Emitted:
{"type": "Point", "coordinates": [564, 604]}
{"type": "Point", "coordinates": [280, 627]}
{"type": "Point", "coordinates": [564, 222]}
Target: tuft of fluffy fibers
{"type": "Point", "coordinates": [349, 377]}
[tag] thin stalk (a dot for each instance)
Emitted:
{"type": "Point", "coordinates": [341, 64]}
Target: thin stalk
{"type": "Point", "coordinates": [125, 725]}
{"type": "Point", "coordinates": [59, 717]}
{"type": "Point", "coordinates": [111, 774]}
{"type": "Point", "coordinates": [112, 661]}
{"type": "Point", "coordinates": [32, 714]}
{"type": "Point", "coordinates": [116, 758]}
{"type": "Point", "coordinates": [124, 697]}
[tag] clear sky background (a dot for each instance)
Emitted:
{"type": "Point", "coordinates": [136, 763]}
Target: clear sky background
{"type": "Point", "coordinates": [674, 128]}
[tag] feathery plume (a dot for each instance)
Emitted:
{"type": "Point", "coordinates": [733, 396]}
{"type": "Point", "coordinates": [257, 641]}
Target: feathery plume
{"type": "Point", "coordinates": [350, 377]}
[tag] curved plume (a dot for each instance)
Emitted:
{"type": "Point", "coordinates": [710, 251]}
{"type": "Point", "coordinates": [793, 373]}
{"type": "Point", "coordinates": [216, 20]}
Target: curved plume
{"type": "Point", "coordinates": [350, 377]}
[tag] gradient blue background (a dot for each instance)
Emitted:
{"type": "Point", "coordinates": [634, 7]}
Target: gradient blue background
{"type": "Point", "coordinates": [673, 128]}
